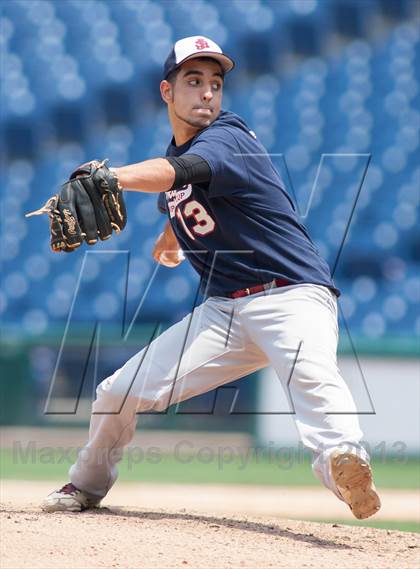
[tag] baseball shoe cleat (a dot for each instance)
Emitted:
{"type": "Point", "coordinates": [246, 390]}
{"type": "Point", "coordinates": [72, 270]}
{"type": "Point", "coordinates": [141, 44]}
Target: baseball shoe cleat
{"type": "Point", "coordinates": [68, 499]}
{"type": "Point", "coordinates": [353, 478]}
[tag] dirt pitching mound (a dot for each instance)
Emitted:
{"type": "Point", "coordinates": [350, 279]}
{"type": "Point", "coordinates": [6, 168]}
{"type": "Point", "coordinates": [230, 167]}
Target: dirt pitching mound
{"type": "Point", "coordinates": [129, 538]}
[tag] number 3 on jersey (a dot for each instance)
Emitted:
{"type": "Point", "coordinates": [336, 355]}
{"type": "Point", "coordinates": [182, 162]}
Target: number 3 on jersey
{"type": "Point", "coordinates": [204, 223]}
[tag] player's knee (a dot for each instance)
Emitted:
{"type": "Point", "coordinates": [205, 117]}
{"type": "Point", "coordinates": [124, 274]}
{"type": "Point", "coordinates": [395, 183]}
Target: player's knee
{"type": "Point", "coordinates": [157, 404]}
{"type": "Point", "coordinates": [112, 395]}
{"type": "Point", "coordinates": [130, 376]}
{"type": "Point", "coordinates": [138, 384]}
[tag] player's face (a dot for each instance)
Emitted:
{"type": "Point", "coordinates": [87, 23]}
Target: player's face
{"type": "Point", "coordinates": [197, 93]}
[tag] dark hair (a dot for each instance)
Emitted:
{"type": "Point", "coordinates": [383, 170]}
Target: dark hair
{"type": "Point", "coordinates": [174, 73]}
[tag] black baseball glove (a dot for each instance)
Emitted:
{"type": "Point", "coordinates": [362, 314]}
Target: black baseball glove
{"type": "Point", "coordinates": [89, 206]}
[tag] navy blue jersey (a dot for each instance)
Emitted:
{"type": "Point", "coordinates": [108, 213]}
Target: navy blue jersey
{"type": "Point", "coordinates": [240, 229]}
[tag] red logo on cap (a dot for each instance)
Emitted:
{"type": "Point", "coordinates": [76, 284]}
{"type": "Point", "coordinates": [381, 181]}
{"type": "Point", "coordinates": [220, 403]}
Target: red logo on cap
{"type": "Point", "coordinates": [201, 43]}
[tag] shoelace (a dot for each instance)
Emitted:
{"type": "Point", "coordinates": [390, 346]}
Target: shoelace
{"type": "Point", "coordinates": [69, 489]}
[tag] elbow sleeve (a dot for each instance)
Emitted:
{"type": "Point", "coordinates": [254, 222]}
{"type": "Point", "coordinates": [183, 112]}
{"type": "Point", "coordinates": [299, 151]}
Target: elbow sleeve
{"type": "Point", "coordinates": [189, 169]}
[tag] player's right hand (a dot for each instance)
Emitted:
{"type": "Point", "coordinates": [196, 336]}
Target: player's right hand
{"type": "Point", "coordinates": [167, 252]}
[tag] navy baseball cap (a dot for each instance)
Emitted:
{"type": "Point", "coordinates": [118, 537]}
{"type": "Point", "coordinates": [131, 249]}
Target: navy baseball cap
{"type": "Point", "coordinates": [192, 47]}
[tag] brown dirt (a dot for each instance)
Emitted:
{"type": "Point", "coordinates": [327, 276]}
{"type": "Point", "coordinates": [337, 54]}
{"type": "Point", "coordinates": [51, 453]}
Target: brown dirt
{"type": "Point", "coordinates": [271, 501]}
{"type": "Point", "coordinates": [169, 537]}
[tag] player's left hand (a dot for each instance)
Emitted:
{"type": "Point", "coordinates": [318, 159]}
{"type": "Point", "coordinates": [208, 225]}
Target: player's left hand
{"type": "Point", "coordinates": [90, 205]}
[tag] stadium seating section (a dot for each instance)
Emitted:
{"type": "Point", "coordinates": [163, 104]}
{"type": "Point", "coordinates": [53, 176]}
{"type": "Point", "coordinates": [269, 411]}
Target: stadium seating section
{"type": "Point", "coordinates": [330, 88]}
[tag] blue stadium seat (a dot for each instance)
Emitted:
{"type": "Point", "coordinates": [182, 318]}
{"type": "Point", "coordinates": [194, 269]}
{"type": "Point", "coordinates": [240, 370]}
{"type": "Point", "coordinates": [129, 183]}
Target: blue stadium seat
{"type": "Point", "coordinates": [81, 81]}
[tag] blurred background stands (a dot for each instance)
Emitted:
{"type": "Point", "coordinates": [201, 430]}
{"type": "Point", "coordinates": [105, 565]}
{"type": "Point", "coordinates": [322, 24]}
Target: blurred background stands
{"type": "Point", "coordinates": [337, 80]}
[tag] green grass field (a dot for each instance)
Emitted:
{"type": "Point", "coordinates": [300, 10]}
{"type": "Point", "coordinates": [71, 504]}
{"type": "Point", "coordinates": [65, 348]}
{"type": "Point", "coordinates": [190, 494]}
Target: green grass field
{"type": "Point", "coordinates": [164, 468]}
{"type": "Point", "coordinates": [397, 525]}
{"type": "Point", "coordinates": [206, 469]}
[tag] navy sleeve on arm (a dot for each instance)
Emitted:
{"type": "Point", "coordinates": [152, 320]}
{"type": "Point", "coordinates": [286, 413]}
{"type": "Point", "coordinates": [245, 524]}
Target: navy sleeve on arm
{"type": "Point", "coordinates": [221, 150]}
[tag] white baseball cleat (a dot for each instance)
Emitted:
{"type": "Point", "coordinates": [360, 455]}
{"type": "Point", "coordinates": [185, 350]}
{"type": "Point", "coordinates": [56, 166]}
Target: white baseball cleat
{"type": "Point", "coordinates": [353, 478]}
{"type": "Point", "coordinates": [68, 499]}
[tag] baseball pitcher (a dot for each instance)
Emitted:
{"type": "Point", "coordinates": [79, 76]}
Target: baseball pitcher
{"type": "Point", "coordinates": [269, 296]}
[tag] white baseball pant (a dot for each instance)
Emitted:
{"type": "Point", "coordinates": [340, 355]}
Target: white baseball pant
{"type": "Point", "coordinates": [292, 328]}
